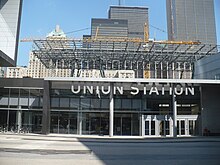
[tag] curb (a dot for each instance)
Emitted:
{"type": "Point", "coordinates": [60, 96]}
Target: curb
{"type": "Point", "coordinates": [45, 151]}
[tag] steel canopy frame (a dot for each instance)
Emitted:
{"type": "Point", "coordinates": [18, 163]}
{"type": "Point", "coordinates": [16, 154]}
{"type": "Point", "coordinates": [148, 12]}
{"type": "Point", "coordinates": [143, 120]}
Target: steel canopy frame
{"type": "Point", "coordinates": [90, 54]}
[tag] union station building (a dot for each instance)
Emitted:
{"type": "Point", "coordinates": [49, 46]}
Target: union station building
{"type": "Point", "coordinates": [151, 93]}
{"type": "Point", "coordinates": [111, 107]}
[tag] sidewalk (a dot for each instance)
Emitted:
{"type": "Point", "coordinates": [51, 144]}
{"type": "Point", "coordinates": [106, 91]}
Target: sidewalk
{"type": "Point", "coordinates": [73, 144]}
{"type": "Point", "coordinates": [32, 143]}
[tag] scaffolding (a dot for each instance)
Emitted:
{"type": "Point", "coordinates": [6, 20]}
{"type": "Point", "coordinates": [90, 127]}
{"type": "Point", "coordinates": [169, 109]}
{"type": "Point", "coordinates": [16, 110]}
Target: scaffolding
{"type": "Point", "coordinates": [156, 59]}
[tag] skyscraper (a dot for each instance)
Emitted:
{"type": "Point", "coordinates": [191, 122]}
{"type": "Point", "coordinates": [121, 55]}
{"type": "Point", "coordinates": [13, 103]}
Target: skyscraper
{"type": "Point", "coordinates": [191, 20]}
{"type": "Point", "coordinates": [137, 18]}
{"type": "Point", "coordinates": [10, 12]}
{"type": "Point", "coordinates": [109, 28]}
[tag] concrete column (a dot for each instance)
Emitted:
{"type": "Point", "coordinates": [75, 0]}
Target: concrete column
{"type": "Point", "coordinates": [157, 127]}
{"type": "Point", "coordinates": [46, 108]}
{"type": "Point", "coordinates": [111, 108]}
{"type": "Point", "coordinates": [142, 125]}
{"type": "Point", "coordinates": [79, 122]}
{"type": "Point", "coordinates": [18, 120]}
{"type": "Point", "coordinates": [174, 112]}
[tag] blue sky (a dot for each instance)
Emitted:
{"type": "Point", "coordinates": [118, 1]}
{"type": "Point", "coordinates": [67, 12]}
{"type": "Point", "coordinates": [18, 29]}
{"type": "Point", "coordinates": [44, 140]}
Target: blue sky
{"type": "Point", "coordinates": [39, 17]}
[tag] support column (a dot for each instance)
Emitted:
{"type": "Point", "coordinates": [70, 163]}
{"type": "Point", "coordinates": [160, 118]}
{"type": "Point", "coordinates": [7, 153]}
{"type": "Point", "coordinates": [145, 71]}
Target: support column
{"type": "Point", "coordinates": [46, 108]}
{"type": "Point", "coordinates": [111, 108]}
{"type": "Point", "coordinates": [79, 122]}
{"type": "Point", "coordinates": [174, 112]}
{"type": "Point", "coordinates": [18, 119]}
{"type": "Point", "coordinates": [142, 125]}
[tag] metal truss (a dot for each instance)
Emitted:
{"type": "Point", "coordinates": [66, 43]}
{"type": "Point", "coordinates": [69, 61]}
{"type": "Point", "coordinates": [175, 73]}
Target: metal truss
{"type": "Point", "coordinates": [103, 55]}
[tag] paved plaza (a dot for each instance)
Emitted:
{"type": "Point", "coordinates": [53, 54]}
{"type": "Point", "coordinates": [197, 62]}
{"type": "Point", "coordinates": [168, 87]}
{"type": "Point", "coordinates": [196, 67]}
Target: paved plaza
{"type": "Point", "coordinates": [64, 149]}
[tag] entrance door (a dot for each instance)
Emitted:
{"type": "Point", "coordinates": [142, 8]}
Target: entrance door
{"type": "Point", "coordinates": [157, 125]}
{"type": "Point", "coordinates": [187, 125]}
{"type": "Point", "coordinates": [150, 127]}
{"type": "Point", "coordinates": [164, 127]}
{"type": "Point", "coordinates": [181, 127]}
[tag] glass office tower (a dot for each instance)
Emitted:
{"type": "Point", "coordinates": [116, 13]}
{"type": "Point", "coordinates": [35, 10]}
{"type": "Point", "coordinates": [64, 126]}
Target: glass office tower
{"type": "Point", "coordinates": [191, 20]}
{"type": "Point", "coordinates": [10, 12]}
{"type": "Point", "coordinates": [136, 16]}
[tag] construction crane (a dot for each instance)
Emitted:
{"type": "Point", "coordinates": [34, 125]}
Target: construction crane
{"type": "Point", "coordinates": [146, 33]}
{"type": "Point", "coordinates": [138, 40]}
{"type": "Point", "coordinates": [119, 39]}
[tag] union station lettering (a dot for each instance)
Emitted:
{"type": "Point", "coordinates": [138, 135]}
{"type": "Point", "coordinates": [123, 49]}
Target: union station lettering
{"type": "Point", "coordinates": [148, 89]}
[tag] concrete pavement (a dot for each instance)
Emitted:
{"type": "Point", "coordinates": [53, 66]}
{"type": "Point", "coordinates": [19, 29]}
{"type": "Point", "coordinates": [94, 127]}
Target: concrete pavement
{"type": "Point", "coordinates": [61, 143]}
{"type": "Point", "coordinates": [57, 149]}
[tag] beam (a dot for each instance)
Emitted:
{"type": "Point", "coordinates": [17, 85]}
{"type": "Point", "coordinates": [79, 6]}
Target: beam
{"type": "Point", "coordinates": [199, 49]}
{"type": "Point", "coordinates": [211, 49]}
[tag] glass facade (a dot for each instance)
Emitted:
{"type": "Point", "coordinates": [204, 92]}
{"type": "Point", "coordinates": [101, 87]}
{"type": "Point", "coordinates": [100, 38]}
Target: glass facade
{"type": "Point", "coordinates": [136, 17]}
{"type": "Point", "coordinates": [21, 110]}
{"type": "Point", "coordinates": [87, 112]}
{"type": "Point", "coordinates": [10, 15]}
{"type": "Point", "coordinates": [191, 20]}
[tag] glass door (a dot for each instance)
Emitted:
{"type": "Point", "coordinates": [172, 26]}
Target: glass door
{"type": "Point", "coordinates": [181, 127]}
{"type": "Point", "coordinates": [152, 127]}
{"type": "Point", "coordinates": [158, 125]}
{"type": "Point", "coordinates": [187, 125]}
{"type": "Point", "coordinates": [147, 127]}
{"type": "Point", "coordinates": [192, 126]}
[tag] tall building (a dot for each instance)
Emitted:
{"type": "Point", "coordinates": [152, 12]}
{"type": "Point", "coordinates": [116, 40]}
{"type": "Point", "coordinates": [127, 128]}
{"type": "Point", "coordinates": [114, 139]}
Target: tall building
{"type": "Point", "coordinates": [10, 14]}
{"type": "Point", "coordinates": [37, 69]}
{"type": "Point", "coordinates": [109, 28]}
{"type": "Point", "coordinates": [191, 20]}
{"type": "Point", "coordinates": [137, 17]}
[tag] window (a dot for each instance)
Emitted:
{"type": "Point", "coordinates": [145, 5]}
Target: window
{"type": "Point", "coordinates": [126, 103]}
{"type": "Point", "coordinates": [54, 102]}
{"type": "Point", "coordinates": [95, 103]}
{"type": "Point", "coordinates": [105, 103]}
{"type": "Point", "coordinates": [64, 102]}
{"type": "Point", "coordinates": [74, 103]}
{"type": "Point", "coordinates": [136, 104]}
